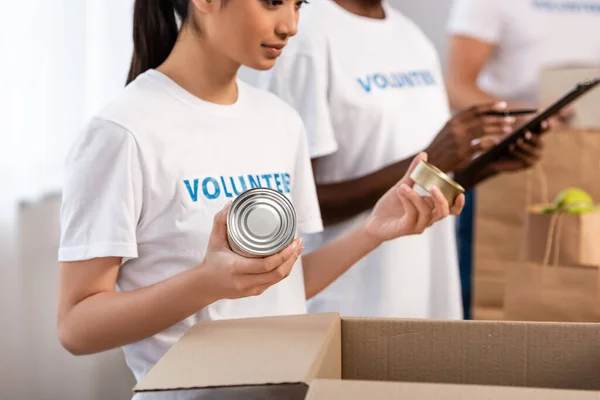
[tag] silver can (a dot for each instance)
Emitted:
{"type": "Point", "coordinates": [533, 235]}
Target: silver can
{"type": "Point", "coordinates": [261, 222]}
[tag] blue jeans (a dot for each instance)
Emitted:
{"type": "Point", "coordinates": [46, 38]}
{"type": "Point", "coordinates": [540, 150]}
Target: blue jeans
{"type": "Point", "coordinates": [464, 237]}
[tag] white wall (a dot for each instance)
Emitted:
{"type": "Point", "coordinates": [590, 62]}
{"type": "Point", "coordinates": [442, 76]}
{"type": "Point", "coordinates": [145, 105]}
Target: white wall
{"type": "Point", "coordinates": [431, 16]}
{"type": "Point", "coordinates": [50, 372]}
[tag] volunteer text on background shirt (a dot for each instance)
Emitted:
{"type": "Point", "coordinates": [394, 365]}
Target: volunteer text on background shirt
{"type": "Point", "coordinates": [529, 35]}
{"type": "Point", "coordinates": [148, 174]}
{"type": "Point", "coordinates": [370, 93]}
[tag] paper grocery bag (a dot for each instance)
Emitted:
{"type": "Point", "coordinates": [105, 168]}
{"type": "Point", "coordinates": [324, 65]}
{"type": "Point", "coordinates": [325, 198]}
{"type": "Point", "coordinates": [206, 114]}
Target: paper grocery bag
{"type": "Point", "coordinates": [571, 158]}
{"type": "Point", "coordinates": [537, 292]}
{"type": "Point", "coordinates": [576, 237]}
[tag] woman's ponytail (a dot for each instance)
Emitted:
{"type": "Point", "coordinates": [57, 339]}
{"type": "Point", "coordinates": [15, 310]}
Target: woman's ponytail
{"type": "Point", "coordinates": [155, 32]}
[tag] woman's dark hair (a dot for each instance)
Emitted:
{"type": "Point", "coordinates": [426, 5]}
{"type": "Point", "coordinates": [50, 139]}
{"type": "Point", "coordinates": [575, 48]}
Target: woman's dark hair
{"type": "Point", "coordinates": [155, 32]}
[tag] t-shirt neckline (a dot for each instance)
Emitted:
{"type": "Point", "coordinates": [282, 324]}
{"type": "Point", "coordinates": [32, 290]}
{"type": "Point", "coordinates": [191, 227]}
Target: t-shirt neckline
{"type": "Point", "coordinates": [177, 91]}
{"type": "Point", "coordinates": [367, 21]}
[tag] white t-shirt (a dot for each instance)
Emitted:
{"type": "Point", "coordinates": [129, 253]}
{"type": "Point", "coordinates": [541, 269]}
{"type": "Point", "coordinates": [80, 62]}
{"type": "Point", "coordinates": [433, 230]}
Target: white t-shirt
{"type": "Point", "coordinates": [371, 93]}
{"type": "Point", "coordinates": [147, 175]}
{"type": "Point", "coordinates": [528, 35]}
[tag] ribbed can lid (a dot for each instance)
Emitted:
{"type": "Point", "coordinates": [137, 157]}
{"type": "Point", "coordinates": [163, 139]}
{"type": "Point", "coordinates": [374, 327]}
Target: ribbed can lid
{"type": "Point", "coordinates": [261, 222]}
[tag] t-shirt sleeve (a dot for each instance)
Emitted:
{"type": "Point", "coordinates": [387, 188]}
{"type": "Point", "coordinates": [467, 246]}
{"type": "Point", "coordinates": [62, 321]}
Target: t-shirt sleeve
{"type": "Point", "coordinates": [480, 19]}
{"type": "Point", "coordinates": [102, 194]}
{"type": "Point", "coordinates": [300, 78]}
{"type": "Point", "coordinates": [304, 192]}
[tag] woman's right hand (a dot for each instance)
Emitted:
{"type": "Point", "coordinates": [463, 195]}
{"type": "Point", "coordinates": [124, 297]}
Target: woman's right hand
{"type": "Point", "coordinates": [233, 276]}
{"type": "Point", "coordinates": [468, 133]}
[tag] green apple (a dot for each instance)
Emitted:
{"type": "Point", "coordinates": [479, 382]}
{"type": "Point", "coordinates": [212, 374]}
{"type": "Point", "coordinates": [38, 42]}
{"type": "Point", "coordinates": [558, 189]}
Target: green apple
{"type": "Point", "coordinates": [573, 197]}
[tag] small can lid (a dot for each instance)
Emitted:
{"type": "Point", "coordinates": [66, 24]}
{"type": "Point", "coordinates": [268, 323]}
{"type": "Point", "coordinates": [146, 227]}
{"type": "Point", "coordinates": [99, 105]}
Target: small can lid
{"type": "Point", "coordinates": [261, 222]}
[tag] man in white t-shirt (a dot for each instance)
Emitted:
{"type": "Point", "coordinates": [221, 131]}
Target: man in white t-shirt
{"type": "Point", "coordinates": [498, 48]}
{"type": "Point", "coordinates": [371, 93]}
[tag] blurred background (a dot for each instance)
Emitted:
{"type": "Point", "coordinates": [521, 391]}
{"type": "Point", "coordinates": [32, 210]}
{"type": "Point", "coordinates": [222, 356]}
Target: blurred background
{"type": "Point", "coordinates": [62, 60]}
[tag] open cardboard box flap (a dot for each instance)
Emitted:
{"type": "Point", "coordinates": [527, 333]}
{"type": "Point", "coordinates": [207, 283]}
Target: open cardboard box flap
{"type": "Point", "coordinates": [291, 352]}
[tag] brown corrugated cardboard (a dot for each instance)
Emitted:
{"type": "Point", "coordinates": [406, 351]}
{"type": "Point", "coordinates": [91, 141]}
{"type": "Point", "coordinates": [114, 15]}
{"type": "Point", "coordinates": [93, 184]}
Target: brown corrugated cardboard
{"type": "Point", "coordinates": [360, 390]}
{"type": "Point", "coordinates": [282, 355]}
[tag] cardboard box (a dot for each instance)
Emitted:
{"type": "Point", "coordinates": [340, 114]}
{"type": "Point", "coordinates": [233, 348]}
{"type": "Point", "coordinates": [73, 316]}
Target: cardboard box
{"type": "Point", "coordinates": [280, 357]}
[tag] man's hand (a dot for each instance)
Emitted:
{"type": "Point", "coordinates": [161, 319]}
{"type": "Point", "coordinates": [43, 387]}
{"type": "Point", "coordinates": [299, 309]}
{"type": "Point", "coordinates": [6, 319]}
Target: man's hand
{"type": "Point", "coordinates": [467, 134]}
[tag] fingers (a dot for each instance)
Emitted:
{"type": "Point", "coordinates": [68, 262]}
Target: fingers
{"type": "Point", "coordinates": [255, 285]}
{"type": "Point", "coordinates": [490, 126]}
{"type": "Point", "coordinates": [485, 143]}
{"type": "Point", "coordinates": [253, 276]}
{"type": "Point", "coordinates": [566, 115]}
{"type": "Point", "coordinates": [266, 265]}
{"type": "Point", "coordinates": [410, 212]}
{"type": "Point", "coordinates": [525, 153]}
{"type": "Point", "coordinates": [406, 178]}
{"type": "Point", "coordinates": [458, 205]}
{"type": "Point", "coordinates": [423, 211]}
{"type": "Point", "coordinates": [442, 209]}
{"type": "Point", "coordinates": [276, 275]}
{"type": "Point", "coordinates": [218, 236]}
{"type": "Point", "coordinates": [478, 110]}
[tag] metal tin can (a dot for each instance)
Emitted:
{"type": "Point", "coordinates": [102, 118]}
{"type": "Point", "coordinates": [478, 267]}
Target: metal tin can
{"type": "Point", "coordinates": [427, 175]}
{"type": "Point", "coordinates": [261, 222]}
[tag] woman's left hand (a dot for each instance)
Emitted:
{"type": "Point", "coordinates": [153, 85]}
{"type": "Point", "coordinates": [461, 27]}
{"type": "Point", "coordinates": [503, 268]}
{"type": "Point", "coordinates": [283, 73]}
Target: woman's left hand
{"type": "Point", "coordinates": [402, 211]}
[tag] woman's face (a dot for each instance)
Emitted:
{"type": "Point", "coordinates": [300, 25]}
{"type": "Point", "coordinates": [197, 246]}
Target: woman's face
{"type": "Point", "coordinates": [250, 32]}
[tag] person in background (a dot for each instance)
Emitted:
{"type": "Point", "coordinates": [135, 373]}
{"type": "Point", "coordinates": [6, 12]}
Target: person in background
{"type": "Point", "coordinates": [368, 85]}
{"type": "Point", "coordinates": [497, 51]}
{"type": "Point", "coordinates": [498, 48]}
{"type": "Point", "coordinates": [143, 251]}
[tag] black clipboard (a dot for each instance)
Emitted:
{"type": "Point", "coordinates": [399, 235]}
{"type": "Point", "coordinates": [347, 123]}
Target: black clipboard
{"type": "Point", "coordinates": [467, 174]}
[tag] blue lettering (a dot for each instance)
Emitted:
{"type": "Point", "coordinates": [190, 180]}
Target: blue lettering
{"type": "Point", "coordinates": [231, 186]}
{"type": "Point", "coordinates": [243, 183]}
{"type": "Point", "coordinates": [428, 78]}
{"type": "Point", "coordinates": [286, 182]}
{"type": "Point", "coordinates": [217, 189]}
{"type": "Point", "coordinates": [416, 77]}
{"type": "Point", "coordinates": [566, 6]}
{"type": "Point", "coordinates": [227, 194]}
{"type": "Point", "coordinates": [193, 192]}
{"type": "Point", "coordinates": [254, 183]}
{"type": "Point", "coordinates": [237, 193]}
{"type": "Point", "coordinates": [398, 79]}
{"type": "Point", "coordinates": [277, 182]}
{"type": "Point", "coordinates": [366, 85]}
{"type": "Point", "coordinates": [394, 82]}
{"type": "Point", "coordinates": [268, 177]}
{"type": "Point", "coordinates": [407, 81]}
{"type": "Point", "coordinates": [380, 81]}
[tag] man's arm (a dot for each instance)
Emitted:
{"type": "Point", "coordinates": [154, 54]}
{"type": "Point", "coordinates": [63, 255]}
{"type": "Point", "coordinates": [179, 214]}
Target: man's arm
{"type": "Point", "coordinates": [467, 57]}
{"type": "Point", "coordinates": [451, 150]}
{"type": "Point", "coordinates": [342, 200]}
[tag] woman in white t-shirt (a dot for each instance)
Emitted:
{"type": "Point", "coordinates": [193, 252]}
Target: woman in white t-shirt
{"type": "Point", "coordinates": [143, 248]}
{"type": "Point", "coordinates": [368, 85]}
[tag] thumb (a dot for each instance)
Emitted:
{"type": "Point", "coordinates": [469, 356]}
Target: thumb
{"type": "Point", "coordinates": [218, 236]}
{"type": "Point", "coordinates": [406, 178]}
